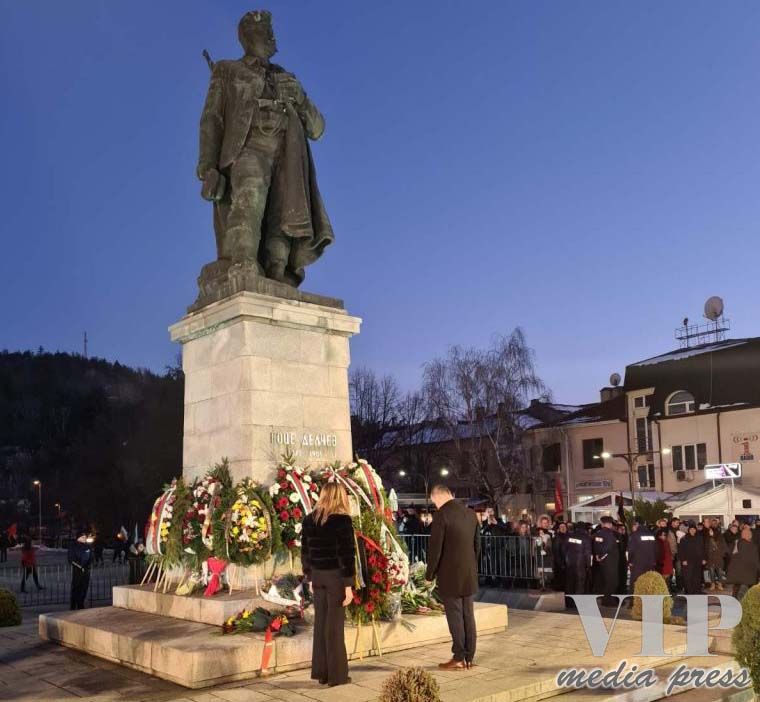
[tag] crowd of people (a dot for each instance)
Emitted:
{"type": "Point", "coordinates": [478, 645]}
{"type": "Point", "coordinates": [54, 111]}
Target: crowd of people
{"type": "Point", "coordinates": [608, 558]}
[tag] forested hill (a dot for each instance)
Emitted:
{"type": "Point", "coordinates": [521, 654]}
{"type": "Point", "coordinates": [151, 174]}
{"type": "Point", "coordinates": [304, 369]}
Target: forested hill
{"type": "Point", "coordinates": [102, 437]}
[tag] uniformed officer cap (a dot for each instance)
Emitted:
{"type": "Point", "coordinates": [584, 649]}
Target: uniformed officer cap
{"type": "Point", "coordinates": [606, 520]}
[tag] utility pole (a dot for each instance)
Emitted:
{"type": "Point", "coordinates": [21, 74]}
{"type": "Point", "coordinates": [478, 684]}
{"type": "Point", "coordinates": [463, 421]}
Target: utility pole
{"type": "Point", "coordinates": [85, 344]}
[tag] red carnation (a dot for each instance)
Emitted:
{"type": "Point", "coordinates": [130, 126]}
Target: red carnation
{"type": "Point", "coordinates": [281, 474]}
{"type": "Point", "coordinates": [357, 599]}
{"type": "Point", "coordinates": [297, 513]}
{"type": "Point", "coordinates": [373, 593]}
{"type": "Point", "coordinates": [369, 607]}
{"type": "Point", "coordinates": [284, 515]}
{"type": "Point", "coordinates": [377, 577]}
{"type": "Point", "coordinates": [283, 502]}
{"type": "Point", "coordinates": [291, 544]}
{"type": "Point", "coordinates": [283, 486]}
{"type": "Point", "coordinates": [372, 560]}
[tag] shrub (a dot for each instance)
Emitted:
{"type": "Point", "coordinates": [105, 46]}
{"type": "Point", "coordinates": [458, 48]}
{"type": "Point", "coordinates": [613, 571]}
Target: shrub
{"type": "Point", "coordinates": [410, 685]}
{"type": "Point", "coordinates": [10, 614]}
{"type": "Point", "coordinates": [652, 583]}
{"type": "Point", "coordinates": [746, 636]}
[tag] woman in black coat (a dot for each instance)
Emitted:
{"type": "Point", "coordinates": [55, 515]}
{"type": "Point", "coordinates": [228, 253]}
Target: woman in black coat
{"type": "Point", "coordinates": [691, 557]}
{"type": "Point", "coordinates": [328, 556]}
{"type": "Point", "coordinates": [744, 567]}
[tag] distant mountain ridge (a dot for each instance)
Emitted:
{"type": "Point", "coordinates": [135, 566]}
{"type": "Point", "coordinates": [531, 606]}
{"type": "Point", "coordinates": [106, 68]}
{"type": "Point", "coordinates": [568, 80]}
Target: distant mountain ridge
{"type": "Point", "coordinates": [101, 436]}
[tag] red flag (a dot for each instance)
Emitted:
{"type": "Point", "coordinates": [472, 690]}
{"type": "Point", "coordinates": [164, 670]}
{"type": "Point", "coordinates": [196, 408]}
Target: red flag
{"type": "Point", "coordinates": [558, 506]}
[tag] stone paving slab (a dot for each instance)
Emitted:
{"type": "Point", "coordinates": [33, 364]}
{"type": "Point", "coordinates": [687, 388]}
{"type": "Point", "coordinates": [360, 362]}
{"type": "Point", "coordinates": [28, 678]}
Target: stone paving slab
{"type": "Point", "coordinates": [517, 665]}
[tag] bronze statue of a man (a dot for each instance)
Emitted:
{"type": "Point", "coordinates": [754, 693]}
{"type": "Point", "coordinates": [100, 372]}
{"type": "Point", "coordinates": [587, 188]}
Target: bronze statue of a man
{"type": "Point", "coordinates": [256, 164]}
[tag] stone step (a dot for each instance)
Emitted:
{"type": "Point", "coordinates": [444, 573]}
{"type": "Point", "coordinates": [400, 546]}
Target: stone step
{"type": "Point", "coordinates": [194, 608]}
{"type": "Point", "coordinates": [197, 655]}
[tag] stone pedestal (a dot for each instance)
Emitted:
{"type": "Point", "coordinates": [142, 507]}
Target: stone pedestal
{"type": "Point", "coordinates": [264, 375]}
{"type": "Point", "coordinates": [196, 655]}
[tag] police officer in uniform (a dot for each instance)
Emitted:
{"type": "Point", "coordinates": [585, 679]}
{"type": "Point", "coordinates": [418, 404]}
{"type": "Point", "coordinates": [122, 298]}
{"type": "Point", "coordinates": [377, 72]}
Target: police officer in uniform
{"type": "Point", "coordinates": [80, 557]}
{"type": "Point", "coordinates": [642, 550]}
{"type": "Point", "coordinates": [577, 557]}
{"type": "Point", "coordinates": [605, 550]}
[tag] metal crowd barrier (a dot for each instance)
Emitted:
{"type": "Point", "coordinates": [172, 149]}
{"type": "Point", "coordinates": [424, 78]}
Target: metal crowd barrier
{"type": "Point", "coordinates": [509, 561]}
{"type": "Point", "coordinates": [56, 582]}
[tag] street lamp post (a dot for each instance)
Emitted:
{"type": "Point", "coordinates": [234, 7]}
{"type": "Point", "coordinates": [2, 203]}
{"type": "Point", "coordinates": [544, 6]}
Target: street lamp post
{"type": "Point", "coordinates": [38, 484]}
{"type": "Point", "coordinates": [631, 458]}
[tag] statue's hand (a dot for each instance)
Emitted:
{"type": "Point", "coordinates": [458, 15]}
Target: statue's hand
{"type": "Point", "coordinates": [290, 90]}
{"type": "Point", "coordinates": [214, 184]}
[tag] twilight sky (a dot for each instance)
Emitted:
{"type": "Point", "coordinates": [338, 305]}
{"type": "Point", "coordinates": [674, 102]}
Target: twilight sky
{"type": "Point", "coordinates": [586, 170]}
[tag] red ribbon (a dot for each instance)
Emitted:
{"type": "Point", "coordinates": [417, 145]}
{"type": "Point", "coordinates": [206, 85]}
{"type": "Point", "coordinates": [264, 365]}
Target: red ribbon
{"type": "Point", "coordinates": [303, 492]}
{"type": "Point", "coordinates": [373, 488]}
{"type": "Point", "coordinates": [216, 566]}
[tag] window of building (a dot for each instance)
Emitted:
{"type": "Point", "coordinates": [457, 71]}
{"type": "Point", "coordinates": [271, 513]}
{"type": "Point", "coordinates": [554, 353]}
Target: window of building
{"type": "Point", "coordinates": [643, 434]}
{"type": "Point", "coordinates": [680, 402]}
{"type": "Point", "coordinates": [646, 476]}
{"type": "Point", "coordinates": [551, 459]}
{"type": "Point", "coordinates": [592, 453]}
{"type": "Point", "coordinates": [689, 457]}
{"type": "Point", "coordinates": [641, 401]}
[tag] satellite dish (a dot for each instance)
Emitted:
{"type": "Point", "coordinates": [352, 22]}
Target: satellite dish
{"type": "Point", "coordinates": [714, 308]}
{"type": "Point", "coordinates": [615, 380]}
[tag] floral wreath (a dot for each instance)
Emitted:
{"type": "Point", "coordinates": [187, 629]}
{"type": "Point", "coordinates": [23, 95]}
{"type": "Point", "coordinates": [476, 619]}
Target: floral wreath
{"type": "Point", "coordinates": [294, 495]}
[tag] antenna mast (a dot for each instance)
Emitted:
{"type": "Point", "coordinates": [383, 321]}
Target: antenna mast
{"type": "Point", "coordinates": [85, 344]}
{"type": "Point", "coordinates": [708, 332]}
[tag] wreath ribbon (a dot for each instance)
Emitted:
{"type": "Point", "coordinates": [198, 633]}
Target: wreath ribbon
{"type": "Point", "coordinates": [216, 566]}
{"type": "Point", "coordinates": [303, 493]}
{"type": "Point", "coordinates": [369, 479]}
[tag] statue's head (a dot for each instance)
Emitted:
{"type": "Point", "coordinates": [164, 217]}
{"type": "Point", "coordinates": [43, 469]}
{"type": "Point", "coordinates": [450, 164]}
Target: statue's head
{"type": "Point", "coordinates": [256, 35]}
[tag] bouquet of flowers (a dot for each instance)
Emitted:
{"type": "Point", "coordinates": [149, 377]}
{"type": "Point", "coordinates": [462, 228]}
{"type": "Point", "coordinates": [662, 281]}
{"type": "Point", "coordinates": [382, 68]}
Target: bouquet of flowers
{"type": "Point", "coordinates": [259, 619]}
{"type": "Point", "coordinates": [418, 596]}
{"type": "Point", "coordinates": [294, 495]}
{"type": "Point", "coordinates": [248, 527]}
{"type": "Point", "coordinates": [398, 568]}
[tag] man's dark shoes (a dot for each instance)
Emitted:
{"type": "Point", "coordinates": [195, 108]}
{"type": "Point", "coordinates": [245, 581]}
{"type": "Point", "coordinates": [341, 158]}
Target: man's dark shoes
{"type": "Point", "coordinates": [470, 665]}
{"type": "Point", "coordinates": [453, 664]}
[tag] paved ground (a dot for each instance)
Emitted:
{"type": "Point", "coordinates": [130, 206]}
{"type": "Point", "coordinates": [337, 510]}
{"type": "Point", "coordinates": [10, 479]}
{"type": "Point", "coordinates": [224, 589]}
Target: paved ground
{"type": "Point", "coordinates": [519, 664]}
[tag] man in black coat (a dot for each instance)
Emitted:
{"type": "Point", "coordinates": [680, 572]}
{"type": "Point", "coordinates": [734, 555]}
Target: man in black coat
{"type": "Point", "coordinates": [453, 560]}
{"type": "Point", "coordinates": [577, 557]}
{"type": "Point", "coordinates": [605, 549]}
{"type": "Point", "coordinates": [642, 551]}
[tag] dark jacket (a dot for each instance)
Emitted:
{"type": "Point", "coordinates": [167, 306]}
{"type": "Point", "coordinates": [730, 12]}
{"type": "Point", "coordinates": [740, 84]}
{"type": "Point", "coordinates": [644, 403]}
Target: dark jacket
{"type": "Point", "coordinates": [453, 550]}
{"type": "Point", "coordinates": [80, 554]}
{"type": "Point", "coordinates": [744, 567]}
{"type": "Point", "coordinates": [715, 548]}
{"type": "Point", "coordinates": [642, 552]}
{"type": "Point", "coordinates": [329, 546]}
{"type": "Point", "coordinates": [691, 549]}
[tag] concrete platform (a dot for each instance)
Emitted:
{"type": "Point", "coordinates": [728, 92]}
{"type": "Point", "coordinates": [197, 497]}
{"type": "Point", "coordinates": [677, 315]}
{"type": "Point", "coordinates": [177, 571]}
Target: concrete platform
{"type": "Point", "coordinates": [197, 655]}
{"type": "Point", "coordinates": [194, 608]}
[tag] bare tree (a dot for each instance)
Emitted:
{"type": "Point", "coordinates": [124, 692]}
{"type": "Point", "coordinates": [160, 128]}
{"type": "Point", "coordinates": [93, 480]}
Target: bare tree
{"type": "Point", "coordinates": [477, 394]}
{"type": "Point", "coordinates": [374, 409]}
